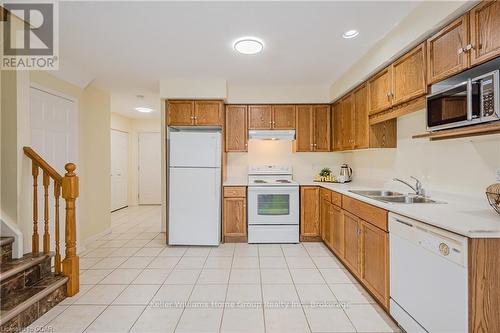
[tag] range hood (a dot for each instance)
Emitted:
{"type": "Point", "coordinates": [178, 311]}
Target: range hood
{"type": "Point", "coordinates": [272, 135]}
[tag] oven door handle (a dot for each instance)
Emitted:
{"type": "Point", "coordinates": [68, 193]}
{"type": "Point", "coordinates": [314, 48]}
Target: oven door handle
{"type": "Point", "coordinates": [469, 99]}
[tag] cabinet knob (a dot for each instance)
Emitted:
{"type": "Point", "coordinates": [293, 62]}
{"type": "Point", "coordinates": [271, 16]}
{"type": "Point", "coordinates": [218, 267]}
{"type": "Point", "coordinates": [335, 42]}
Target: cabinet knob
{"type": "Point", "coordinates": [469, 47]}
{"type": "Point", "coordinates": [461, 50]}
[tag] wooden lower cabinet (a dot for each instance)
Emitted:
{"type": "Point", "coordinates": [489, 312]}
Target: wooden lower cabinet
{"type": "Point", "coordinates": [352, 243]}
{"type": "Point", "coordinates": [326, 221]}
{"type": "Point", "coordinates": [309, 213]}
{"type": "Point", "coordinates": [337, 231]}
{"type": "Point", "coordinates": [234, 214]}
{"type": "Point", "coordinates": [375, 261]}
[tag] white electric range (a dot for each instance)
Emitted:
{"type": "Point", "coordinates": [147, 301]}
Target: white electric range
{"type": "Point", "coordinates": [273, 205]}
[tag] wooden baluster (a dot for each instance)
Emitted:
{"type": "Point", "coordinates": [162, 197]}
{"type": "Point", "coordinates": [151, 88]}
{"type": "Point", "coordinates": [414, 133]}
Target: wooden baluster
{"type": "Point", "coordinates": [57, 258]}
{"type": "Point", "coordinates": [46, 232]}
{"type": "Point", "coordinates": [71, 261]}
{"type": "Point", "coordinates": [35, 237]}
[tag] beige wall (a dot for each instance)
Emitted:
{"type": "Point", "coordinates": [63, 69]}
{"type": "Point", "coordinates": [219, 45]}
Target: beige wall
{"type": "Point", "coordinates": [133, 127]}
{"type": "Point", "coordinates": [93, 166]}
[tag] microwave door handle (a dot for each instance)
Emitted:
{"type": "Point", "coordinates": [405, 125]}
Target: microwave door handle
{"type": "Point", "coordinates": [469, 100]}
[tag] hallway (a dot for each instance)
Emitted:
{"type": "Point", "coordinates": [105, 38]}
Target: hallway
{"type": "Point", "coordinates": [131, 281]}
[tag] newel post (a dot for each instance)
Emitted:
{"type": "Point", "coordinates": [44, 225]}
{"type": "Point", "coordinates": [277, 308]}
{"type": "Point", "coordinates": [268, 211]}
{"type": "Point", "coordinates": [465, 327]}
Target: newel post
{"type": "Point", "coordinates": [71, 266]}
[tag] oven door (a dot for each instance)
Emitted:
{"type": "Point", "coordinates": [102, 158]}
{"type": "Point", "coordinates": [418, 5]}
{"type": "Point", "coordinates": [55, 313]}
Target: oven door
{"type": "Point", "coordinates": [273, 205]}
{"type": "Point", "coordinates": [454, 107]}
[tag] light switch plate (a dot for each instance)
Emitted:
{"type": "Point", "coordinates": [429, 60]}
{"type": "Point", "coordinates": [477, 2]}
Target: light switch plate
{"type": "Point", "coordinates": [498, 175]}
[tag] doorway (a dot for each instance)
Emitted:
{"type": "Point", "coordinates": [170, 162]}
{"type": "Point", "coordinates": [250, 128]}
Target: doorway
{"type": "Point", "coordinates": [119, 169]}
{"type": "Point", "coordinates": [149, 168]}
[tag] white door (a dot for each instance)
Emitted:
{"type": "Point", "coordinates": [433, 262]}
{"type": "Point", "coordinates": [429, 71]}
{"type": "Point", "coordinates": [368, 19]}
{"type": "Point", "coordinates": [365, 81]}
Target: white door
{"type": "Point", "coordinates": [149, 168]}
{"type": "Point", "coordinates": [54, 136]}
{"type": "Point", "coordinates": [119, 169]}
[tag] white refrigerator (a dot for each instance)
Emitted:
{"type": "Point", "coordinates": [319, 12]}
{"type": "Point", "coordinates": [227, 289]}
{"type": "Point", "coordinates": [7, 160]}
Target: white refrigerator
{"type": "Point", "coordinates": [194, 196]}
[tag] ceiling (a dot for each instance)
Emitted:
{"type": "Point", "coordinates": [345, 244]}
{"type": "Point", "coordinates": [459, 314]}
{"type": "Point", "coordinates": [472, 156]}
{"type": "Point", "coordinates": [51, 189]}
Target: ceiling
{"type": "Point", "coordinates": [127, 47]}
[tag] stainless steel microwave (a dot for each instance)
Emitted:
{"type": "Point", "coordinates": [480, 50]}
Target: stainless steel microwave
{"type": "Point", "coordinates": [474, 101]}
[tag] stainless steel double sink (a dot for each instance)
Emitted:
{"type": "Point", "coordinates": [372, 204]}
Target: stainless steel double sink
{"type": "Point", "coordinates": [394, 197]}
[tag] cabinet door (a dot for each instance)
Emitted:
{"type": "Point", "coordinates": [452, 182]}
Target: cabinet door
{"type": "Point", "coordinates": [337, 126]}
{"type": "Point", "coordinates": [283, 116]}
{"type": "Point", "coordinates": [485, 31]}
{"type": "Point", "coordinates": [180, 113]}
{"type": "Point", "coordinates": [408, 75]}
{"type": "Point", "coordinates": [207, 113]}
{"type": "Point", "coordinates": [446, 53]}
{"type": "Point", "coordinates": [379, 91]}
{"type": "Point", "coordinates": [303, 133]}
{"type": "Point", "coordinates": [337, 231]}
{"type": "Point", "coordinates": [347, 122]}
{"type": "Point", "coordinates": [259, 117]}
{"type": "Point", "coordinates": [375, 261]}
{"type": "Point", "coordinates": [235, 217]}
{"type": "Point", "coordinates": [325, 212]}
{"type": "Point", "coordinates": [322, 134]}
{"type": "Point", "coordinates": [309, 212]}
{"type": "Point", "coordinates": [352, 242]}
{"type": "Point", "coordinates": [236, 128]}
{"type": "Point", "coordinates": [361, 121]}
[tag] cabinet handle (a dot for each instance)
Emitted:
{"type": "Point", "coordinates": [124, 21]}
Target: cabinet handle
{"type": "Point", "coordinates": [469, 47]}
{"type": "Point", "coordinates": [461, 50]}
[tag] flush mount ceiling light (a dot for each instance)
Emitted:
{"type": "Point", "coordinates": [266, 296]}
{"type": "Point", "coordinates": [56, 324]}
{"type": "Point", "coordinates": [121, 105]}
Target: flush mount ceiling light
{"type": "Point", "coordinates": [248, 45]}
{"type": "Point", "coordinates": [143, 109]}
{"type": "Point", "coordinates": [350, 34]}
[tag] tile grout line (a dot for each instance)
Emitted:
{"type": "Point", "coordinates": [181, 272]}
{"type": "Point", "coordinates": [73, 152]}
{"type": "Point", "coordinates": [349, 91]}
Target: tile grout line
{"type": "Point", "coordinates": [227, 290]}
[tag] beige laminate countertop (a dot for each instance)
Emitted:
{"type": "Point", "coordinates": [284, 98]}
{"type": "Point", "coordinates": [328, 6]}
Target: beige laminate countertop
{"type": "Point", "coordinates": [470, 217]}
{"type": "Point", "coordinates": [467, 216]}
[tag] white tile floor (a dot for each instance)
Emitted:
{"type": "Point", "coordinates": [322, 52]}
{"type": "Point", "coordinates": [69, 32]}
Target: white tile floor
{"type": "Point", "coordinates": [132, 282]}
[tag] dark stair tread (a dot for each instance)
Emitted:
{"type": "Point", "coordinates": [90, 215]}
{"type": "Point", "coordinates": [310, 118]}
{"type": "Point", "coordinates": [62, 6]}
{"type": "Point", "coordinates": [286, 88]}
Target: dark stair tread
{"type": "Point", "coordinates": [12, 267]}
{"type": "Point", "coordinates": [6, 240]}
{"type": "Point", "coordinates": [19, 300]}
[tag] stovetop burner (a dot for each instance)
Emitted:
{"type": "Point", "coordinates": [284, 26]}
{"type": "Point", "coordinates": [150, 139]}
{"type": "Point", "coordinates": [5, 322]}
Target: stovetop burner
{"type": "Point", "coordinates": [284, 181]}
{"type": "Point", "coordinates": [260, 181]}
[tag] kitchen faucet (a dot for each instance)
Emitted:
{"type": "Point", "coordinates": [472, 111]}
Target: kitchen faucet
{"type": "Point", "coordinates": [418, 188]}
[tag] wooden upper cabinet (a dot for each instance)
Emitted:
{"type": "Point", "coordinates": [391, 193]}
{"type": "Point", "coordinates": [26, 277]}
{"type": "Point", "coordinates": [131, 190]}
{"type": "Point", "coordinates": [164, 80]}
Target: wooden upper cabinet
{"type": "Point", "coordinates": [283, 116]}
{"type": "Point", "coordinates": [347, 122]}
{"type": "Point", "coordinates": [180, 113]}
{"type": "Point", "coordinates": [408, 76]}
{"type": "Point", "coordinates": [322, 135]}
{"type": "Point", "coordinates": [446, 50]}
{"type": "Point", "coordinates": [236, 128]}
{"type": "Point", "coordinates": [352, 242]}
{"type": "Point", "coordinates": [309, 212]}
{"type": "Point", "coordinates": [379, 91]}
{"type": "Point", "coordinates": [484, 31]}
{"type": "Point", "coordinates": [337, 126]}
{"type": "Point", "coordinates": [208, 113]}
{"type": "Point", "coordinates": [375, 261]}
{"type": "Point", "coordinates": [360, 118]}
{"type": "Point", "coordinates": [304, 128]}
{"type": "Point", "coordinates": [259, 117]}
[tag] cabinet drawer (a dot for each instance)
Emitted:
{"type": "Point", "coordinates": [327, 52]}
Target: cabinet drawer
{"type": "Point", "coordinates": [374, 215]}
{"type": "Point", "coordinates": [325, 194]}
{"type": "Point", "coordinates": [336, 198]}
{"type": "Point", "coordinates": [235, 192]}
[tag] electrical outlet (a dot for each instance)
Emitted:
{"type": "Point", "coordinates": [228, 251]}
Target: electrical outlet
{"type": "Point", "coordinates": [498, 175]}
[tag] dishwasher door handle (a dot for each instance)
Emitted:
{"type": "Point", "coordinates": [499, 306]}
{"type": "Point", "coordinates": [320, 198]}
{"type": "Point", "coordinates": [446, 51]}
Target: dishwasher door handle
{"type": "Point", "coordinates": [403, 222]}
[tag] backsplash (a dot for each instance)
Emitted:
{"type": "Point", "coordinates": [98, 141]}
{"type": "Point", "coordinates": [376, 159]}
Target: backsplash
{"type": "Point", "coordinates": [305, 165]}
{"type": "Point", "coordinates": [462, 166]}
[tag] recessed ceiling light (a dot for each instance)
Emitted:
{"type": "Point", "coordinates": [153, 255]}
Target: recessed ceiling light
{"type": "Point", "coordinates": [350, 34]}
{"type": "Point", "coordinates": [248, 45]}
{"type": "Point", "coordinates": [143, 109]}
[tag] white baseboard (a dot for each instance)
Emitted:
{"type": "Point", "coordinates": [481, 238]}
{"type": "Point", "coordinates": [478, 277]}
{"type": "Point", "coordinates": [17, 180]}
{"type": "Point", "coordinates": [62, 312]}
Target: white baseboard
{"type": "Point", "coordinates": [11, 230]}
{"type": "Point", "coordinates": [82, 247]}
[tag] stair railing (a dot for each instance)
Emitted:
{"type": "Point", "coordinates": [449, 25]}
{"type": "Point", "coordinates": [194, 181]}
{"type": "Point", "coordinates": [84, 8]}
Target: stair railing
{"type": "Point", "coordinates": [69, 185]}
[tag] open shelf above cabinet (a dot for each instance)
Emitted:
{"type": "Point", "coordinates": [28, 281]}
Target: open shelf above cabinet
{"type": "Point", "coordinates": [462, 132]}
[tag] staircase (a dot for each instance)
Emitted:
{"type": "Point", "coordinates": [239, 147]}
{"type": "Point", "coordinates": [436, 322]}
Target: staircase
{"type": "Point", "coordinates": [28, 287]}
{"type": "Point", "coordinates": [33, 284]}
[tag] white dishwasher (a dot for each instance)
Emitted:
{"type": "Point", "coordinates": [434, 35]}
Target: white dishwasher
{"type": "Point", "coordinates": [428, 277]}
